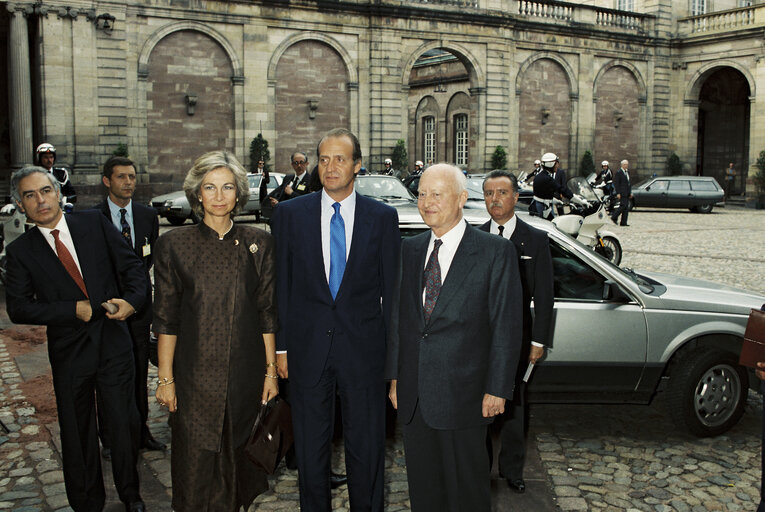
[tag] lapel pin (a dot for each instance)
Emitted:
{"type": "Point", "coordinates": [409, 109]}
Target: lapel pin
{"type": "Point", "coordinates": [253, 248]}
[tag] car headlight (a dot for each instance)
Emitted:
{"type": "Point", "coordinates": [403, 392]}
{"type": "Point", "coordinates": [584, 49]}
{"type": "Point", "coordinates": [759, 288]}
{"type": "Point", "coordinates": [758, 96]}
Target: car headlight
{"type": "Point", "coordinates": [168, 203]}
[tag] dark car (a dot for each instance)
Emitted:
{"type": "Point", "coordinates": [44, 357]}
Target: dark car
{"type": "Point", "coordinates": [697, 193]}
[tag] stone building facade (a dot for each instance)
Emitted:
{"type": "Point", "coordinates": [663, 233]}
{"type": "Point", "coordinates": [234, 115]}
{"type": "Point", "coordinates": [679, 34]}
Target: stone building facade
{"type": "Point", "coordinates": [637, 79]}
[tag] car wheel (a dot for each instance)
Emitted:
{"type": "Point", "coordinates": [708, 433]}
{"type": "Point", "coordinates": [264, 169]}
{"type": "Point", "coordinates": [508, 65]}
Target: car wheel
{"type": "Point", "coordinates": [175, 221]}
{"type": "Point", "coordinates": [194, 218]}
{"type": "Point", "coordinates": [632, 203]}
{"type": "Point", "coordinates": [704, 208]}
{"type": "Point", "coordinates": [707, 392]}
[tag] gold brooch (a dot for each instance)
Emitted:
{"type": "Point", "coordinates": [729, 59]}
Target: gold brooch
{"type": "Point", "coordinates": [254, 248]}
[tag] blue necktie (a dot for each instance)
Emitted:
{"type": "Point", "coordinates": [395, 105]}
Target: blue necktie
{"type": "Point", "coordinates": [336, 250]}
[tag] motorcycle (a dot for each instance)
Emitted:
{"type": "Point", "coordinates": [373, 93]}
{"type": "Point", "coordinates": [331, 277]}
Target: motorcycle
{"type": "Point", "coordinates": [586, 220]}
{"type": "Point", "coordinates": [13, 223]}
{"type": "Point", "coordinates": [604, 192]}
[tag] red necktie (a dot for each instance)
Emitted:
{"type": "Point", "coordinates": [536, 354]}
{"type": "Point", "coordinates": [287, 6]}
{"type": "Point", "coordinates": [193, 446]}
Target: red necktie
{"type": "Point", "coordinates": [66, 259]}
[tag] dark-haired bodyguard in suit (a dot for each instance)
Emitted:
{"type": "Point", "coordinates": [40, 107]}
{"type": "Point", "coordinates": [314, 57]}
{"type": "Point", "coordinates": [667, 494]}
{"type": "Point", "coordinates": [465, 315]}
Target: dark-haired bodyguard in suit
{"type": "Point", "coordinates": [59, 274]}
{"type": "Point", "coordinates": [500, 190]}
{"type": "Point", "coordinates": [337, 345]}
{"type": "Point", "coordinates": [294, 185]}
{"type": "Point", "coordinates": [139, 226]}
{"type": "Point", "coordinates": [453, 350]}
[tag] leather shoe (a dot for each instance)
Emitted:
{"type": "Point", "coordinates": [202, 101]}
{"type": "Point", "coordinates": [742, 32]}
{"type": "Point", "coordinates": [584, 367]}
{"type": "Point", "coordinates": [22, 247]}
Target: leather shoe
{"type": "Point", "coordinates": [517, 485]}
{"type": "Point", "coordinates": [149, 443]}
{"type": "Point", "coordinates": [106, 453]}
{"type": "Point", "coordinates": [135, 506]}
{"type": "Point", "coordinates": [337, 479]}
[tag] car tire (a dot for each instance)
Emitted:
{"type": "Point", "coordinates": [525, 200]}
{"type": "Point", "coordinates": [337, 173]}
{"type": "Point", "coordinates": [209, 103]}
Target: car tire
{"type": "Point", "coordinates": [194, 218]}
{"type": "Point", "coordinates": [704, 208]}
{"type": "Point", "coordinates": [707, 392]}
{"type": "Point", "coordinates": [175, 221]}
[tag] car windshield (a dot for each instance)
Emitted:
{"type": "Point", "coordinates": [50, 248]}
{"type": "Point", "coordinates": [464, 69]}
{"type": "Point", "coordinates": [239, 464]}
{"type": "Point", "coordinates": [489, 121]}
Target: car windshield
{"type": "Point", "coordinates": [475, 188]}
{"type": "Point", "coordinates": [254, 180]}
{"type": "Point", "coordinates": [644, 285]}
{"type": "Point", "coordinates": [384, 188]}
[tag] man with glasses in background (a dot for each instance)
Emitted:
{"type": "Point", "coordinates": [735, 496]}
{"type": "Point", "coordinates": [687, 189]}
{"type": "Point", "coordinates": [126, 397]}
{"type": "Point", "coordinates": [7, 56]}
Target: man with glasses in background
{"type": "Point", "coordinates": [293, 185]}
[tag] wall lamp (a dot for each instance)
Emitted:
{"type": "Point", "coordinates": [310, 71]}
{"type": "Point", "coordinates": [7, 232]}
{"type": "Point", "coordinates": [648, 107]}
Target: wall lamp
{"type": "Point", "coordinates": [545, 115]}
{"type": "Point", "coordinates": [105, 22]}
{"type": "Point", "coordinates": [191, 103]}
{"type": "Point", "coordinates": [313, 106]}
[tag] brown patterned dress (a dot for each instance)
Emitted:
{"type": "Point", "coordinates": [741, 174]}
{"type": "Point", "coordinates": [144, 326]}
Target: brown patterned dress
{"type": "Point", "coordinates": [217, 297]}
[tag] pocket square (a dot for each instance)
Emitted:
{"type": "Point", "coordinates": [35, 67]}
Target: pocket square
{"type": "Point", "coordinates": [525, 257]}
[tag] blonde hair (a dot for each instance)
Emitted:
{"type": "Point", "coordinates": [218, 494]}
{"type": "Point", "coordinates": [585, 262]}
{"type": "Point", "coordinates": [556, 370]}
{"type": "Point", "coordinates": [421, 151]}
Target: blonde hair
{"type": "Point", "coordinates": [209, 162]}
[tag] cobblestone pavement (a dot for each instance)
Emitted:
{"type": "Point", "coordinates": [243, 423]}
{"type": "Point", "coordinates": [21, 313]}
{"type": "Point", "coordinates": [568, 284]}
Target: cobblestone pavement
{"type": "Point", "coordinates": [614, 458]}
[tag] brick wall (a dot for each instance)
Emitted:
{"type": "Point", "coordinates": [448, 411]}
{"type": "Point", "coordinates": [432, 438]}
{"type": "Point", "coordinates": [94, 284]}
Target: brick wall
{"type": "Point", "coordinates": [308, 70]}
{"type": "Point", "coordinates": [617, 139]}
{"type": "Point", "coordinates": [544, 86]}
{"type": "Point", "coordinates": [186, 62]}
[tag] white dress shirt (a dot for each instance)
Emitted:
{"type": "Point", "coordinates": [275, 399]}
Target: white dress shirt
{"type": "Point", "coordinates": [509, 227]}
{"type": "Point", "coordinates": [347, 212]}
{"type": "Point", "coordinates": [450, 242]}
{"type": "Point", "coordinates": [66, 238]}
{"type": "Point", "coordinates": [117, 217]}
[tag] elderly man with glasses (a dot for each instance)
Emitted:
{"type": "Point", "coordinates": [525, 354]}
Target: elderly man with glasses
{"type": "Point", "coordinates": [294, 185]}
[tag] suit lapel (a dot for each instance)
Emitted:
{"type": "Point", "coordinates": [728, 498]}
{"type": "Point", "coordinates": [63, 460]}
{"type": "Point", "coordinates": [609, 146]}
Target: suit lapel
{"type": "Point", "coordinates": [520, 236]}
{"type": "Point", "coordinates": [90, 274]}
{"type": "Point", "coordinates": [313, 246]}
{"type": "Point", "coordinates": [46, 258]}
{"type": "Point", "coordinates": [461, 266]}
{"type": "Point", "coordinates": [420, 251]}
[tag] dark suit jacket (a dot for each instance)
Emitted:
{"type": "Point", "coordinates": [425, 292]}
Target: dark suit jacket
{"type": "Point", "coordinates": [146, 226]}
{"type": "Point", "coordinates": [472, 342]}
{"type": "Point", "coordinates": [622, 184]}
{"type": "Point", "coordinates": [40, 291]}
{"type": "Point", "coordinates": [303, 189]}
{"type": "Point", "coordinates": [535, 264]}
{"type": "Point", "coordinates": [355, 321]}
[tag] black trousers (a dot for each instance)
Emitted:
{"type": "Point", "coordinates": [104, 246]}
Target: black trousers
{"type": "Point", "coordinates": [447, 470]}
{"type": "Point", "coordinates": [623, 210]}
{"type": "Point", "coordinates": [75, 392]}
{"type": "Point", "coordinates": [512, 453]}
{"type": "Point", "coordinates": [362, 406]}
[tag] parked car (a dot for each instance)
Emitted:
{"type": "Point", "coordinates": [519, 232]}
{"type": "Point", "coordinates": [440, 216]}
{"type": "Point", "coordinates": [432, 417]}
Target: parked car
{"type": "Point", "coordinates": [176, 209]}
{"type": "Point", "coordinates": [391, 191]}
{"type": "Point", "coordinates": [475, 190]}
{"type": "Point", "coordinates": [624, 336]}
{"type": "Point", "coordinates": [697, 193]}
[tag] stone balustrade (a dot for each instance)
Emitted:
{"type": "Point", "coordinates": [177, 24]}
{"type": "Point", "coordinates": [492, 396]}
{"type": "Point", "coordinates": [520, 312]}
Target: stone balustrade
{"type": "Point", "coordinates": [722, 21]}
{"type": "Point", "coordinates": [609, 19]}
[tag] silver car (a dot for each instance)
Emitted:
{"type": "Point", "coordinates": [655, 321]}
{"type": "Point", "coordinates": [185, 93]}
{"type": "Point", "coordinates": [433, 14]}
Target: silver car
{"type": "Point", "coordinates": [176, 209]}
{"type": "Point", "coordinates": [623, 336]}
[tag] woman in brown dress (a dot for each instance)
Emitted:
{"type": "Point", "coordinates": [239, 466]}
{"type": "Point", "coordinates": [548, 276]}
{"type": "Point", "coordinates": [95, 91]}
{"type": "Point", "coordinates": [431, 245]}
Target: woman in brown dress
{"type": "Point", "coordinates": [215, 314]}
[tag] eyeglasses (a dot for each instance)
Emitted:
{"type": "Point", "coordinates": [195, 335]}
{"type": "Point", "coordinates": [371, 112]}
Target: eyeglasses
{"type": "Point", "coordinates": [299, 162]}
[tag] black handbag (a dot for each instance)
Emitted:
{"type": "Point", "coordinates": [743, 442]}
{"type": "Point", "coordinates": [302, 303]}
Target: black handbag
{"type": "Point", "coordinates": [271, 435]}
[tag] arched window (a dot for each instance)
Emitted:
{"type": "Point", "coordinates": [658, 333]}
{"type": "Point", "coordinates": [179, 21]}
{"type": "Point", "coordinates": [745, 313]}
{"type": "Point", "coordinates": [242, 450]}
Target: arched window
{"type": "Point", "coordinates": [429, 138]}
{"type": "Point", "coordinates": [461, 139]}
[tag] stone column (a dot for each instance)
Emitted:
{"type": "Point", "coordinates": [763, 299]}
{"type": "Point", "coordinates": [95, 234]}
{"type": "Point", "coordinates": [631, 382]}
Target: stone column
{"type": "Point", "coordinates": [19, 87]}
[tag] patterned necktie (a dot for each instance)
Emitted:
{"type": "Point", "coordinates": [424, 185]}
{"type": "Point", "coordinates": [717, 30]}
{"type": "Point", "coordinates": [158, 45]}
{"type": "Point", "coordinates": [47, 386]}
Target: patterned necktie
{"type": "Point", "coordinates": [125, 227]}
{"type": "Point", "coordinates": [66, 259]}
{"type": "Point", "coordinates": [501, 231]}
{"type": "Point", "coordinates": [432, 280]}
{"type": "Point", "coordinates": [336, 250]}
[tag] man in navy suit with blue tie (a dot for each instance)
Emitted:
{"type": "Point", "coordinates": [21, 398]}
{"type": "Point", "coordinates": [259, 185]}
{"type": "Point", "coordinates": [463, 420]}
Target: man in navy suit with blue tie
{"type": "Point", "coordinates": [337, 345]}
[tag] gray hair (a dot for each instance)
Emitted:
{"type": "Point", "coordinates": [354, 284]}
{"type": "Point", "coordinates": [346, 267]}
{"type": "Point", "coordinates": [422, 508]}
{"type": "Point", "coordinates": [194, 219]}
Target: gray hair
{"type": "Point", "coordinates": [625, 161]}
{"type": "Point", "coordinates": [209, 162]}
{"type": "Point", "coordinates": [460, 180]}
{"type": "Point", "coordinates": [26, 171]}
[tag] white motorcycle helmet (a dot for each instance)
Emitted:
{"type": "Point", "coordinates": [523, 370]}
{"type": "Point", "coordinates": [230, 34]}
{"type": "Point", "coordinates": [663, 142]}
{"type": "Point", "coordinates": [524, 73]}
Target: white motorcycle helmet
{"type": "Point", "coordinates": [604, 162]}
{"type": "Point", "coordinates": [537, 162]}
{"type": "Point", "coordinates": [45, 148]}
{"type": "Point", "coordinates": [548, 160]}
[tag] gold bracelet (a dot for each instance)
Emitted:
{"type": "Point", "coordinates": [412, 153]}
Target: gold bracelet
{"type": "Point", "coordinates": [269, 365]}
{"type": "Point", "coordinates": [165, 382]}
{"type": "Point", "coordinates": [272, 376]}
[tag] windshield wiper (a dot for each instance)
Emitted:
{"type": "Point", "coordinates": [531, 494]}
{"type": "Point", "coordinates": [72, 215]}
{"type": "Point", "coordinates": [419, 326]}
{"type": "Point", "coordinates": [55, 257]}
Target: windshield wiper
{"type": "Point", "coordinates": [644, 285]}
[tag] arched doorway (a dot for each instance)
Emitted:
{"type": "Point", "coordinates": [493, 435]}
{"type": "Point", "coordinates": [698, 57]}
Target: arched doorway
{"type": "Point", "coordinates": [443, 124]}
{"type": "Point", "coordinates": [312, 98]}
{"type": "Point", "coordinates": [723, 126]}
{"type": "Point", "coordinates": [617, 119]}
{"type": "Point", "coordinates": [544, 113]}
{"type": "Point", "coordinates": [190, 105]}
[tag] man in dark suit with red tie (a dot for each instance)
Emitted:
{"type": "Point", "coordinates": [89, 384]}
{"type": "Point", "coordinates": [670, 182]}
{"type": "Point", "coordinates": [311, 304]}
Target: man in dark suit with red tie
{"type": "Point", "coordinates": [139, 226]}
{"type": "Point", "coordinates": [75, 275]}
{"type": "Point", "coordinates": [337, 344]}
{"type": "Point", "coordinates": [453, 349]}
{"type": "Point", "coordinates": [500, 189]}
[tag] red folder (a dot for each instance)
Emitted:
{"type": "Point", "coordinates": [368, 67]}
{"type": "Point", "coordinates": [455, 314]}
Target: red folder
{"type": "Point", "coordinates": [753, 349]}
